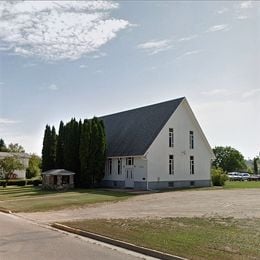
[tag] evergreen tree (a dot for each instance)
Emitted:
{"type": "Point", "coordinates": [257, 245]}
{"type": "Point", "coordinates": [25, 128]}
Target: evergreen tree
{"type": "Point", "coordinates": [46, 165]}
{"type": "Point", "coordinates": [71, 148]}
{"type": "Point", "coordinates": [101, 153]}
{"type": "Point", "coordinates": [2, 146]}
{"type": "Point", "coordinates": [53, 144]}
{"type": "Point", "coordinates": [84, 153]}
{"type": "Point", "coordinates": [79, 147]}
{"type": "Point", "coordinates": [60, 147]}
{"type": "Point", "coordinates": [92, 152]}
{"type": "Point", "coordinates": [49, 149]}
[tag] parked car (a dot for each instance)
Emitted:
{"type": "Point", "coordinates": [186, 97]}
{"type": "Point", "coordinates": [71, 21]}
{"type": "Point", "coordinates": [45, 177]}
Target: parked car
{"type": "Point", "coordinates": [234, 176]}
{"type": "Point", "coordinates": [254, 178]}
{"type": "Point", "coordinates": [244, 176]}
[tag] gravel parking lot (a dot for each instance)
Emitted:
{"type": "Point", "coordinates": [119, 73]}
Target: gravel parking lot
{"type": "Point", "coordinates": [239, 203]}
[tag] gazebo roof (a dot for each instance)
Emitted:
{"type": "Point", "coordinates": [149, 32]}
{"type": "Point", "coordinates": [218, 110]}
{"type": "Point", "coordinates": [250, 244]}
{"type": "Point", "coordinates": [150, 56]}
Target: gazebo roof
{"type": "Point", "coordinates": [60, 172]}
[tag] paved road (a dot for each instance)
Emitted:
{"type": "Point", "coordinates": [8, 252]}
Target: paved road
{"type": "Point", "coordinates": [23, 240]}
{"type": "Point", "coordinates": [237, 203]}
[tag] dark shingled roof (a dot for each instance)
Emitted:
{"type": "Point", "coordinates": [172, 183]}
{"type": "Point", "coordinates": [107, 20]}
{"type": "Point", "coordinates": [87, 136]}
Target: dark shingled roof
{"type": "Point", "coordinates": [131, 132]}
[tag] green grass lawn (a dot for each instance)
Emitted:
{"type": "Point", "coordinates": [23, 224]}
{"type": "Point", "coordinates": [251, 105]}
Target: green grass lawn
{"type": "Point", "coordinates": [194, 238]}
{"type": "Point", "coordinates": [241, 184]}
{"type": "Point", "coordinates": [32, 199]}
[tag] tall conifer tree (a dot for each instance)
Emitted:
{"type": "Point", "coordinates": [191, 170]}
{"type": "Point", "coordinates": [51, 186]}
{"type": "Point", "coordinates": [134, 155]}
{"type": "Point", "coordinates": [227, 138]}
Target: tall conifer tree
{"type": "Point", "coordinates": [46, 165]}
{"type": "Point", "coordinates": [60, 147]}
{"type": "Point", "coordinates": [49, 149]}
{"type": "Point", "coordinates": [84, 153]}
{"type": "Point", "coordinates": [53, 144]}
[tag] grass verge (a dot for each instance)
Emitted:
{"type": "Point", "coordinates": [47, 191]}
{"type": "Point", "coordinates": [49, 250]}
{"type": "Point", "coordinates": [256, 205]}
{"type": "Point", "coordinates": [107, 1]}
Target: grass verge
{"type": "Point", "coordinates": [32, 199]}
{"type": "Point", "coordinates": [193, 238]}
{"type": "Point", "coordinates": [241, 184]}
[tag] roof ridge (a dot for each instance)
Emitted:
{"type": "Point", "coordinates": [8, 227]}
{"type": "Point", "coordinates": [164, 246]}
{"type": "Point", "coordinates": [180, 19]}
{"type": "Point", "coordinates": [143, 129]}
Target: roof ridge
{"type": "Point", "coordinates": [146, 106]}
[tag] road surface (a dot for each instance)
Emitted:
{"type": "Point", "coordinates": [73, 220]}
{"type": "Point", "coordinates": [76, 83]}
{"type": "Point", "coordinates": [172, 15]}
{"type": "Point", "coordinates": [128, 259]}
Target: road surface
{"type": "Point", "coordinates": [24, 240]}
{"type": "Point", "coordinates": [237, 203]}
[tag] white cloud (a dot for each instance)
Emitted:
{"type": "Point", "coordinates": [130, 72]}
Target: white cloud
{"type": "Point", "coordinates": [56, 30]}
{"type": "Point", "coordinates": [188, 38]}
{"type": "Point", "coordinates": [222, 11]}
{"type": "Point", "coordinates": [219, 27]}
{"type": "Point", "coordinates": [251, 93]}
{"type": "Point", "coordinates": [53, 87]}
{"type": "Point", "coordinates": [99, 55]}
{"type": "Point", "coordinates": [83, 66]}
{"type": "Point", "coordinates": [188, 53]}
{"type": "Point", "coordinates": [242, 17]}
{"type": "Point", "coordinates": [217, 91]}
{"type": "Point", "coordinates": [246, 4]}
{"type": "Point", "coordinates": [7, 121]}
{"type": "Point", "coordinates": [154, 47]}
{"type": "Point", "coordinates": [29, 65]}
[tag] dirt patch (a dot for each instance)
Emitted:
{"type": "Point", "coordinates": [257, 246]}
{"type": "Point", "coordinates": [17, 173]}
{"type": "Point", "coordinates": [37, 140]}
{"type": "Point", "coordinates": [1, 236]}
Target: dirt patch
{"type": "Point", "coordinates": [244, 203]}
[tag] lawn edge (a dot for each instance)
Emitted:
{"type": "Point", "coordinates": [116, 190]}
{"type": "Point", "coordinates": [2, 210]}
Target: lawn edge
{"type": "Point", "coordinates": [3, 210]}
{"type": "Point", "coordinates": [118, 243]}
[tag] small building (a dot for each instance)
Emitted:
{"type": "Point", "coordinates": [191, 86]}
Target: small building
{"type": "Point", "coordinates": [156, 147]}
{"type": "Point", "coordinates": [58, 179]}
{"type": "Point", "coordinates": [23, 158]}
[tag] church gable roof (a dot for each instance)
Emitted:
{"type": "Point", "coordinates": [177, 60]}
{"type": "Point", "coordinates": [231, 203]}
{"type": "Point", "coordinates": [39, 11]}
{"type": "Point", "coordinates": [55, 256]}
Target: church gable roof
{"type": "Point", "coordinates": [130, 133]}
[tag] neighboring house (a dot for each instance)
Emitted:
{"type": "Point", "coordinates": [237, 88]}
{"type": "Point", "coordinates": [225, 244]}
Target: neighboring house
{"type": "Point", "coordinates": [156, 147]}
{"type": "Point", "coordinates": [23, 157]}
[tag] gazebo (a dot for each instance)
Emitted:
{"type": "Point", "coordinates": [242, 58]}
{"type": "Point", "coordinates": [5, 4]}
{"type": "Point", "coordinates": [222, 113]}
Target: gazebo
{"type": "Point", "coordinates": [58, 179]}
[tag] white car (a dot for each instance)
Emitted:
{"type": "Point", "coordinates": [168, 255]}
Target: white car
{"type": "Point", "coordinates": [234, 176]}
{"type": "Point", "coordinates": [244, 176]}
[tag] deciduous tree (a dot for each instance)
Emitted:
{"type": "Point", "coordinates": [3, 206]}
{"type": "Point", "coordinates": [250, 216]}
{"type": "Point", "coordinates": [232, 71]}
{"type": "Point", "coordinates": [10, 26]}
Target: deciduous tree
{"type": "Point", "coordinates": [9, 164]}
{"type": "Point", "coordinates": [229, 159]}
{"type": "Point", "coordinates": [255, 162]}
{"type": "Point", "coordinates": [34, 167]}
{"type": "Point", "coordinates": [15, 148]}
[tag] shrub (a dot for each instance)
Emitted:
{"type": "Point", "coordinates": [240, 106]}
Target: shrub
{"type": "Point", "coordinates": [218, 177]}
{"type": "Point", "coordinates": [21, 183]}
{"type": "Point", "coordinates": [18, 182]}
{"type": "Point", "coordinates": [37, 182]}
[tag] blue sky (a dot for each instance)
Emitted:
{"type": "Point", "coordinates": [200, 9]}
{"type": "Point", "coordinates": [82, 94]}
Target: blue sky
{"type": "Point", "coordinates": [79, 59]}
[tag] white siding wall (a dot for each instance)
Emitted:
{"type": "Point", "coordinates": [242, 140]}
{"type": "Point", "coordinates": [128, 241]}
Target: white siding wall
{"type": "Point", "coordinates": [139, 170]}
{"type": "Point", "coordinates": [22, 173]}
{"type": "Point", "coordinates": [182, 122]}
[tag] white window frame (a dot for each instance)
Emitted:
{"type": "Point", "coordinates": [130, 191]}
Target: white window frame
{"type": "Point", "coordinates": [110, 166]}
{"type": "Point", "coordinates": [191, 139]}
{"type": "Point", "coordinates": [171, 164]}
{"type": "Point", "coordinates": [192, 165]}
{"type": "Point", "coordinates": [171, 137]}
{"type": "Point", "coordinates": [119, 166]}
{"type": "Point", "coordinates": [129, 161]}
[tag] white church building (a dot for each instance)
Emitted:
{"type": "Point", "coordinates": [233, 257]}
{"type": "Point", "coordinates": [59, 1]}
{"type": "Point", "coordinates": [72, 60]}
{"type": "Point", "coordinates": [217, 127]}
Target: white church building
{"type": "Point", "coordinates": [156, 147]}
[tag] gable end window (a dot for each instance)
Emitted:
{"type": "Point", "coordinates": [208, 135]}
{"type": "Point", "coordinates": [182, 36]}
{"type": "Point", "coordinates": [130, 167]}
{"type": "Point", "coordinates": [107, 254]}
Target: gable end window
{"type": "Point", "coordinates": [191, 164]}
{"type": "Point", "coordinates": [171, 137]}
{"type": "Point", "coordinates": [129, 161]}
{"type": "Point", "coordinates": [109, 166]}
{"type": "Point", "coordinates": [119, 166]}
{"type": "Point", "coordinates": [191, 140]}
{"type": "Point", "coordinates": [171, 164]}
